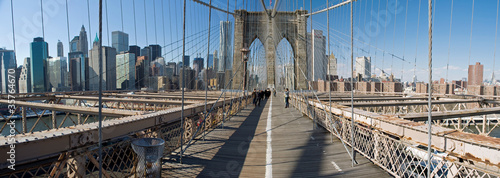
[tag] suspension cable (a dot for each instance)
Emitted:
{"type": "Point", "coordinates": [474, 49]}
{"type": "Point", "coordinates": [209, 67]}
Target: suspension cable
{"type": "Point", "coordinates": [12, 20]}
{"type": "Point", "coordinates": [121, 12]}
{"type": "Point", "coordinates": [154, 18]}
{"type": "Point", "coordinates": [416, 44]}
{"type": "Point", "coordinates": [43, 27]}
{"type": "Point", "coordinates": [146, 23]}
{"type": "Point", "coordinates": [495, 50]}
{"type": "Point", "coordinates": [107, 23]}
{"type": "Point", "coordinates": [183, 77]}
{"type": "Point", "coordinates": [449, 42]}
{"type": "Point", "coordinates": [404, 40]}
{"type": "Point", "coordinates": [471, 25]}
{"type": "Point", "coordinates": [135, 24]}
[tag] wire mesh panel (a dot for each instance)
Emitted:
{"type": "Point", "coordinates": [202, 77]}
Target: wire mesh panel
{"type": "Point", "coordinates": [398, 157]}
{"type": "Point", "coordinates": [118, 156]}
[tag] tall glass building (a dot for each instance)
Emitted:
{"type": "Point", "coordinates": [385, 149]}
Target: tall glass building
{"type": "Point", "coordinates": [120, 41]}
{"type": "Point", "coordinates": [78, 71]}
{"type": "Point", "coordinates": [226, 57]}
{"type": "Point", "coordinates": [125, 71]}
{"type": "Point", "coordinates": [155, 52]}
{"type": "Point", "coordinates": [210, 61]}
{"type": "Point", "coordinates": [57, 73]}
{"type": "Point", "coordinates": [39, 53]}
{"type": "Point", "coordinates": [8, 67]}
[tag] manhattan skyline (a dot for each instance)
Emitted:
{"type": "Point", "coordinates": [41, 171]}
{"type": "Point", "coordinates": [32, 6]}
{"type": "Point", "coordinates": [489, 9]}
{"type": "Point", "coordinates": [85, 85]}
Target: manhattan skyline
{"type": "Point", "coordinates": [28, 26]}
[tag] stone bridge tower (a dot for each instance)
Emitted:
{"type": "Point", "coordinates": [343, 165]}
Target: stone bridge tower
{"type": "Point", "coordinates": [270, 29]}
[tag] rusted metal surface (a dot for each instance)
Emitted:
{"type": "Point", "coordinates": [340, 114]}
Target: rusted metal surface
{"type": "Point", "coordinates": [450, 114]}
{"type": "Point", "coordinates": [131, 100]}
{"type": "Point", "coordinates": [76, 109]}
{"type": "Point", "coordinates": [53, 142]}
{"type": "Point", "coordinates": [406, 103]}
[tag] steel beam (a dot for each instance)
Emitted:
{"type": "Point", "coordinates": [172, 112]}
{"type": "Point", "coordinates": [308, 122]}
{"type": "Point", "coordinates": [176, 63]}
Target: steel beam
{"type": "Point", "coordinates": [76, 109]}
{"type": "Point", "coordinates": [51, 143]}
{"type": "Point", "coordinates": [450, 114]}
{"type": "Point", "coordinates": [407, 103]}
{"type": "Point", "coordinates": [131, 100]}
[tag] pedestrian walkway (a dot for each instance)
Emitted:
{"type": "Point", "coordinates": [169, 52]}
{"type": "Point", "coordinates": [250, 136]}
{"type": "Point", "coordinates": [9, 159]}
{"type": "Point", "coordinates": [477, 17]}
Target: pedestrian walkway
{"type": "Point", "coordinates": [268, 141]}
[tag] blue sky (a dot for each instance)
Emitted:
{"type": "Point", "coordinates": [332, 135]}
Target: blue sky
{"type": "Point", "coordinates": [28, 25]}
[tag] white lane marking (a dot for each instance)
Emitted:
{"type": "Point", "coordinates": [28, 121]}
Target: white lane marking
{"type": "Point", "coordinates": [336, 166]}
{"type": "Point", "coordinates": [312, 138]}
{"type": "Point", "coordinates": [269, 151]}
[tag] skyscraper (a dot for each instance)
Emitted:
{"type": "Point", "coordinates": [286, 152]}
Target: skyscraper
{"type": "Point", "coordinates": [83, 44]}
{"type": "Point", "coordinates": [38, 65]}
{"type": "Point", "coordinates": [475, 74]}
{"type": "Point", "coordinates": [140, 73]}
{"type": "Point", "coordinates": [78, 72]}
{"type": "Point", "coordinates": [363, 67]}
{"type": "Point", "coordinates": [197, 65]}
{"type": "Point", "coordinates": [57, 69]}
{"type": "Point", "coordinates": [226, 57]}
{"type": "Point", "coordinates": [146, 51]}
{"type": "Point", "coordinates": [170, 69]}
{"type": "Point", "coordinates": [316, 55]}
{"type": "Point", "coordinates": [125, 71]}
{"type": "Point", "coordinates": [210, 61]}
{"type": "Point", "coordinates": [216, 61]}
{"type": "Point", "coordinates": [8, 67]}
{"type": "Point", "coordinates": [25, 77]}
{"type": "Point", "coordinates": [108, 67]}
{"type": "Point", "coordinates": [73, 44]}
{"type": "Point", "coordinates": [186, 61]}
{"type": "Point", "coordinates": [136, 50]}
{"type": "Point", "coordinates": [155, 51]}
{"type": "Point", "coordinates": [60, 49]}
{"type": "Point", "coordinates": [119, 41]}
{"type": "Point", "coordinates": [332, 68]}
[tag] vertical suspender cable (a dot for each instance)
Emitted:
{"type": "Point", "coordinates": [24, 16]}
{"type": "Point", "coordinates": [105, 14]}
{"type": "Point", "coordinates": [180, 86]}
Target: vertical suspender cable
{"type": "Point", "coordinates": [416, 44]}
{"type": "Point", "coordinates": [13, 31]}
{"type": "Point", "coordinates": [183, 76]}
{"type": "Point", "coordinates": [41, 12]}
{"type": "Point", "coordinates": [146, 23]}
{"type": "Point", "coordinates": [329, 64]}
{"type": "Point", "coordinates": [67, 25]}
{"type": "Point", "coordinates": [121, 12]}
{"type": "Point", "coordinates": [107, 22]}
{"type": "Point", "coordinates": [353, 144]}
{"type": "Point", "coordinates": [163, 20]}
{"type": "Point", "coordinates": [135, 25]}
{"type": "Point", "coordinates": [429, 119]}
{"type": "Point", "coordinates": [449, 41]}
{"type": "Point", "coordinates": [100, 88]}
{"type": "Point", "coordinates": [312, 54]}
{"type": "Point", "coordinates": [394, 36]}
{"type": "Point", "coordinates": [495, 50]}
{"type": "Point", "coordinates": [471, 25]}
{"type": "Point", "coordinates": [404, 41]}
{"type": "Point", "coordinates": [154, 18]}
{"type": "Point", "coordinates": [67, 22]}
{"type": "Point", "coordinates": [208, 54]}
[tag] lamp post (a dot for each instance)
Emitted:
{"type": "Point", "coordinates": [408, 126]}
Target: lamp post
{"type": "Point", "coordinates": [244, 56]}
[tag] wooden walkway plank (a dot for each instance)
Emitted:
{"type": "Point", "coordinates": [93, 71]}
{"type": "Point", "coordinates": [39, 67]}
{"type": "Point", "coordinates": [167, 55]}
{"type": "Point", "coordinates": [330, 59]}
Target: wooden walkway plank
{"type": "Point", "coordinates": [298, 150]}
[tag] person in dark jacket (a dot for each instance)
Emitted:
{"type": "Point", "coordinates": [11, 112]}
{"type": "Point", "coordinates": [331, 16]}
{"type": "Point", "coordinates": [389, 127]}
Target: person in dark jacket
{"type": "Point", "coordinates": [287, 97]}
{"type": "Point", "coordinates": [255, 97]}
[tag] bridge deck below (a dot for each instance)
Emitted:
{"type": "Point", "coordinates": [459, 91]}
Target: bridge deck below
{"type": "Point", "coordinates": [240, 149]}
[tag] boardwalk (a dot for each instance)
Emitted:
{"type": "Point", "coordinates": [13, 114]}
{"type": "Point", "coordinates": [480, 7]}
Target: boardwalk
{"type": "Point", "coordinates": [241, 149]}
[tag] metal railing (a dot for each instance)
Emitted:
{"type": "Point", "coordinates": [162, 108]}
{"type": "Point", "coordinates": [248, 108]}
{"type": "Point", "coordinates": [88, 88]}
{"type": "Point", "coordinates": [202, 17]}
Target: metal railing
{"type": "Point", "coordinates": [397, 156]}
{"type": "Point", "coordinates": [119, 160]}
